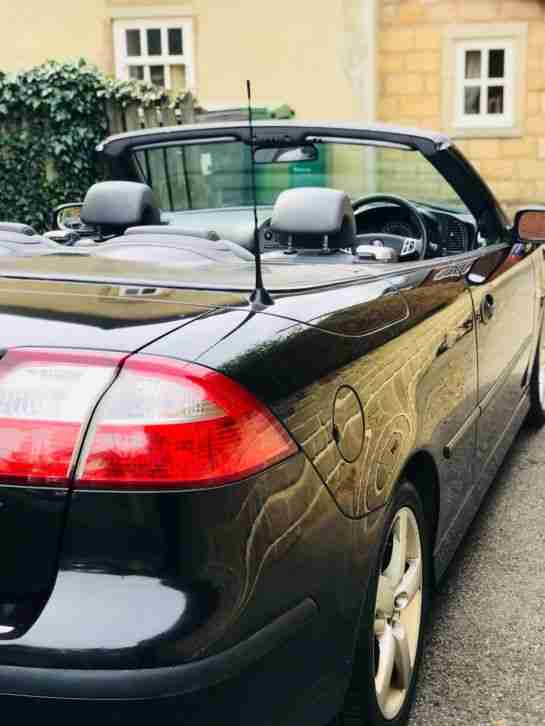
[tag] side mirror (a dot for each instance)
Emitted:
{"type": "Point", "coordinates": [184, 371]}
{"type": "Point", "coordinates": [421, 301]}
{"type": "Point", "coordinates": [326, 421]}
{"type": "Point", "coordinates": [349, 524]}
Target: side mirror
{"type": "Point", "coordinates": [530, 225]}
{"type": "Point", "coordinates": [67, 217]}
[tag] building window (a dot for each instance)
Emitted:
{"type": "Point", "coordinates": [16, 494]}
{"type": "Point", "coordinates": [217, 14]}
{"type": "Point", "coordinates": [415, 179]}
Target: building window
{"type": "Point", "coordinates": [484, 79]}
{"type": "Point", "coordinates": [156, 51]}
{"type": "Point", "coordinates": [484, 84]}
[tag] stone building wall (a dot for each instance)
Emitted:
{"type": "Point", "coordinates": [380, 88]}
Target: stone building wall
{"type": "Point", "coordinates": [414, 84]}
{"type": "Point", "coordinates": [315, 56]}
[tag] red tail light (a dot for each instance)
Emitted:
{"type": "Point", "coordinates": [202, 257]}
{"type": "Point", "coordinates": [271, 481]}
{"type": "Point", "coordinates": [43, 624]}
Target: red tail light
{"type": "Point", "coordinates": [167, 424]}
{"type": "Point", "coordinates": [177, 425]}
{"type": "Point", "coordinates": [161, 424]}
{"type": "Point", "coordinates": [46, 398]}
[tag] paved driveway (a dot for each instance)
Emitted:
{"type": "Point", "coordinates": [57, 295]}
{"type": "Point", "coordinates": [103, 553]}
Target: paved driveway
{"type": "Point", "coordinates": [484, 661]}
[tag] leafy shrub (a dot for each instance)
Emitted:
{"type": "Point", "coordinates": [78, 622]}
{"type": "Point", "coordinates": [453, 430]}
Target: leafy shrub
{"type": "Point", "coordinates": [51, 119]}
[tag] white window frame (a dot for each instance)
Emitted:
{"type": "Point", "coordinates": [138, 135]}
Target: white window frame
{"type": "Point", "coordinates": [123, 61]}
{"type": "Point", "coordinates": [510, 37]}
{"type": "Point", "coordinates": [483, 118]}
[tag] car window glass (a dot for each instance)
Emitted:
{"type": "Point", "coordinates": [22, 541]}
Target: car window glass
{"type": "Point", "coordinates": [218, 175]}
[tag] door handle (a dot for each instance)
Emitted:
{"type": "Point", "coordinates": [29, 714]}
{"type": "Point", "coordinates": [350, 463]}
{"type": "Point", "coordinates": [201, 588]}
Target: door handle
{"type": "Point", "coordinates": [488, 308]}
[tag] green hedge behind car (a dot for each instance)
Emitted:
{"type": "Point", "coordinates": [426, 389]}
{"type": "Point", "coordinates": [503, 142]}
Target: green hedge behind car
{"type": "Point", "coordinates": [51, 119]}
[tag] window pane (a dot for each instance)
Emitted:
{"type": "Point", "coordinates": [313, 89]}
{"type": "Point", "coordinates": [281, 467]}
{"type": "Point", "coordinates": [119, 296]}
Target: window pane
{"type": "Point", "coordinates": [157, 75]}
{"type": "Point", "coordinates": [179, 161]}
{"type": "Point", "coordinates": [133, 42]}
{"type": "Point", "coordinates": [495, 99]}
{"type": "Point", "coordinates": [136, 73]}
{"type": "Point", "coordinates": [472, 100]}
{"type": "Point", "coordinates": [167, 172]}
{"type": "Point", "coordinates": [473, 63]}
{"type": "Point", "coordinates": [175, 43]}
{"type": "Point", "coordinates": [496, 63]}
{"type": "Point", "coordinates": [154, 41]}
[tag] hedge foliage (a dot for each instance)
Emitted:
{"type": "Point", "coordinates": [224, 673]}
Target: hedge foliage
{"type": "Point", "coordinates": [51, 119]}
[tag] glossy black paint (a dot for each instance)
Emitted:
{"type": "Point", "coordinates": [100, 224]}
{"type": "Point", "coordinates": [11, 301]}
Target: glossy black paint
{"type": "Point", "coordinates": [30, 525]}
{"type": "Point", "coordinates": [181, 556]}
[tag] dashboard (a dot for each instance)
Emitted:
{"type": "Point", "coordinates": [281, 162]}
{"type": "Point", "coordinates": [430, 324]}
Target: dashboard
{"type": "Point", "coordinates": [449, 233]}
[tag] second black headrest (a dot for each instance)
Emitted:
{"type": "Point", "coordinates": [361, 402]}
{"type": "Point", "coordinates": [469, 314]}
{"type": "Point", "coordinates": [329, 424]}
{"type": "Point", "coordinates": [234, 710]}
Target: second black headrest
{"type": "Point", "coordinates": [309, 214]}
{"type": "Point", "coordinates": [120, 204]}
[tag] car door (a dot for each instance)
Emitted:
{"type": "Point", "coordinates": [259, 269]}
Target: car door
{"type": "Point", "coordinates": [503, 285]}
{"type": "Point", "coordinates": [503, 288]}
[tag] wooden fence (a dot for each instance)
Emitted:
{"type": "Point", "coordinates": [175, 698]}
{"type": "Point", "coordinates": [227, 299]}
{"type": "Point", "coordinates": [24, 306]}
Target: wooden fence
{"type": "Point", "coordinates": [132, 117]}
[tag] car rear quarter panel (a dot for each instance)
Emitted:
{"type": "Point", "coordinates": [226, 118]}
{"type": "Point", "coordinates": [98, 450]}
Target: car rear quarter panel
{"type": "Point", "coordinates": [411, 366]}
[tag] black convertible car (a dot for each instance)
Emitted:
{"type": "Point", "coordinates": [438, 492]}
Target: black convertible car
{"type": "Point", "coordinates": [229, 480]}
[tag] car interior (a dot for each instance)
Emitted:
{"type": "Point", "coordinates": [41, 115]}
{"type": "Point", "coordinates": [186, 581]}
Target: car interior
{"type": "Point", "coordinates": [305, 212]}
{"type": "Point", "coordinates": [305, 224]}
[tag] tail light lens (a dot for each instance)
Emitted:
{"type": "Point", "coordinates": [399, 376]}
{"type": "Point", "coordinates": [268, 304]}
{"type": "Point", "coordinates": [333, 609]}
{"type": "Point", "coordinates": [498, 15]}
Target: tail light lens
{"type": "Point", "coordinates": [160, 424]}
{"type": "Point", "coordinates": [167, 424]}
{"type": "Point", "coordinates": [46, 398]}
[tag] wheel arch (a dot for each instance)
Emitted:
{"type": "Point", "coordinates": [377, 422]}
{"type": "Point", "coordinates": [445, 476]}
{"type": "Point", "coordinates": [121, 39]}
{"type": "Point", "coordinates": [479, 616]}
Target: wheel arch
{"type": "Point", "coordinates": [421, 470]}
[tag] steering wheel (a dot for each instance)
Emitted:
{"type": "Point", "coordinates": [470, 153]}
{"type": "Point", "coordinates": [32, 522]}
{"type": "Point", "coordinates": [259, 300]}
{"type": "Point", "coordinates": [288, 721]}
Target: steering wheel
{"type": "Point", "coordinates": [403, 246]}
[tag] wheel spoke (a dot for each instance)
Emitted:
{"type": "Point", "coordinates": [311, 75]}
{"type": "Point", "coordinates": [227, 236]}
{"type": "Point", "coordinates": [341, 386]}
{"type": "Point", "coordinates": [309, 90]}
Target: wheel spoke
{"type": "Point", "coordinates": [386, 661]}
{"type": "Point", "coordinates": [410, 584]}
{"type": "Point", "coordinates": [396, 568]}
{"type": "Point", "coordinates": [385, 596]}
{"type": "Point", "coordinates": [402, 656]}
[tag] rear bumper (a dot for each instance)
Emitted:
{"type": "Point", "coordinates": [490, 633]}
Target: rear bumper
{"type": "Point", "coordinates": [157, 683]}
{"type": "Point", "coordinates": [274, 678]}
{"type": "Point", "coordinates": [145, 622]}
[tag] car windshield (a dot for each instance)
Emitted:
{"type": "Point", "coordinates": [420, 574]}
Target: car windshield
{"type": "Point", "coordinates": [215, 175]}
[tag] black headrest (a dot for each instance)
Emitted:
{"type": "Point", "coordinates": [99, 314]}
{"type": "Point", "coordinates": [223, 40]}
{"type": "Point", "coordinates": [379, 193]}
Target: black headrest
{"type": "Point", "coordinates": [116, 205]}
{"type": "Point", "coordinates": [309, 214]}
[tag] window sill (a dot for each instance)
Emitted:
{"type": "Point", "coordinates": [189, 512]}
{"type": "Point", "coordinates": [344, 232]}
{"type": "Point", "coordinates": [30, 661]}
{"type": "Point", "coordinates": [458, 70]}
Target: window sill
{"type": "Point", "coordinates": [155, 11]}
{"type": "Point", "coordinates": [485, 132]}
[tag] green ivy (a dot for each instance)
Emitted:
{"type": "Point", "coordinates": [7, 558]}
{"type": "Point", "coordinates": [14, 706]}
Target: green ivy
{"type": "Point", "coordinates": [51, 119]}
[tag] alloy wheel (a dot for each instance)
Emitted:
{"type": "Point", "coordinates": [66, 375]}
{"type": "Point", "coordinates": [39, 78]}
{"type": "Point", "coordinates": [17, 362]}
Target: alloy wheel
{"type": "Point", "coordinates": [398, 613]}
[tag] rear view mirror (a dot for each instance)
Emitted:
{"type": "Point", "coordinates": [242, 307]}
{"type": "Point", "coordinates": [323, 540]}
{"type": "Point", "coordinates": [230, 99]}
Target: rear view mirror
{"type": "Point", "coordinates": [530, 225]}
{"type": "Point", "coordinates": [285, 155]}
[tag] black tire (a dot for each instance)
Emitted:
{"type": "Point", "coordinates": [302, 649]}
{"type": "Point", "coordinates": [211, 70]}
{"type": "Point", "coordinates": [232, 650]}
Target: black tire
{"type": "Point", "coordinates": [536, 414]}
{"type": "Point", "coordinates": [361, 704]}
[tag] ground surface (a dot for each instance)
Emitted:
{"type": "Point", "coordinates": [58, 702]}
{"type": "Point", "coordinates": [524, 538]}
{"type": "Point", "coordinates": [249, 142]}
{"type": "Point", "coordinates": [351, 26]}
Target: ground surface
{"type": "Point", "coordinates": [484, 658]}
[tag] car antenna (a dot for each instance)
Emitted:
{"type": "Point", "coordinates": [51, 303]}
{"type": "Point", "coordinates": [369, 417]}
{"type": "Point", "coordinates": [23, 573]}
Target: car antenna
{"type": "Point", "coordinates": [259, 298]}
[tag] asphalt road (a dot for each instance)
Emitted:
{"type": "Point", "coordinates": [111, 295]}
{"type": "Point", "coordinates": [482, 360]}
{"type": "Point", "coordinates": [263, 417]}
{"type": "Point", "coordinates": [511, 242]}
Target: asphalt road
{"type": "Point", "coordinates": [484, 659]}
